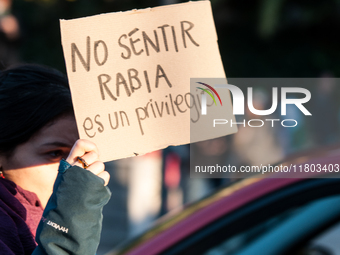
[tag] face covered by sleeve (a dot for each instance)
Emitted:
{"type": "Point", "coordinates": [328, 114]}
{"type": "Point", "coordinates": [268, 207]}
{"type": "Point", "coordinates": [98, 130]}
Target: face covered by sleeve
{"type": "Point", "coordinates": [72, 219]}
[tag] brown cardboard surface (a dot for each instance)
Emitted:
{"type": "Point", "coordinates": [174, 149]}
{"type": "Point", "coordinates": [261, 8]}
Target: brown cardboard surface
{"type": "Point", "coordinates": [124, 84]}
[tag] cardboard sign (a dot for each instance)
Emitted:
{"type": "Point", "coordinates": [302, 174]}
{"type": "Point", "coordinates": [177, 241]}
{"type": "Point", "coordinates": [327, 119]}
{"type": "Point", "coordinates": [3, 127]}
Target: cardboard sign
{"type": "Point", "coordinates": [129, 74]}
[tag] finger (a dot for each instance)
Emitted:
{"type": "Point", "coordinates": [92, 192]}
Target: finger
{"type": "Point", "coordinates": [105, 176]}
{"type": "Point", "coordinates": [89, 158]}
{"type": "Point", "coordinates": [80, 148]}
{"type": "Point", "coordinates": [97, 167]}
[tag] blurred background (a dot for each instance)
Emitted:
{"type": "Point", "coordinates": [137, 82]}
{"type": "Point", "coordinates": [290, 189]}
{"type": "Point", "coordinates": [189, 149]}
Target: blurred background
{"type": "Point", "coordinates": [257, 38]}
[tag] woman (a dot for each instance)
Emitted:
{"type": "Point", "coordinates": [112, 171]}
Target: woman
{"type": "Point", "coordinates": [38, 131]}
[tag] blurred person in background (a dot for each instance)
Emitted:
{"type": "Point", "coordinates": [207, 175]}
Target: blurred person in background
{"type": "Point", "coordinates": [9, 35]}
{"type": "Point", "coordinates": [297, 138]}
{"type": "Point", "coordinates": [209, 153]}
{"type": "Point", "coordinates": [144, 191]}
{"type": "Point", "coordinates": [325, 125]}
{"type": "Point", "coordinates": [254, 146]}
{"type": "Point", "coordinates": [175, 177]}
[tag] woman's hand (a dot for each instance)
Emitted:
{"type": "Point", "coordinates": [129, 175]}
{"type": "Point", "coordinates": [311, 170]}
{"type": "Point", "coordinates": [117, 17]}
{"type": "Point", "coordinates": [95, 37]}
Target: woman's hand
{"type": "Point", "coordinates": [89, 152]}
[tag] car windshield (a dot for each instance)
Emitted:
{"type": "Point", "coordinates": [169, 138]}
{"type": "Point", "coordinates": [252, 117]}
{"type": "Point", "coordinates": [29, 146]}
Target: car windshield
{"type": "Point", "coordinates": [279, 226]}
{"type": "Point", "coordinates": [234, 244]}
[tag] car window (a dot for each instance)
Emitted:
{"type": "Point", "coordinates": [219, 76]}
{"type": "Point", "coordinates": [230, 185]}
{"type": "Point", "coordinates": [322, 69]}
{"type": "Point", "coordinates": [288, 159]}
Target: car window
{"type": "Point", "coordinates": [277, 233]}
{"type": "Point", "coordinates": [235, 231]}
{"type": "Point", "coordinates": [325, 243]}
{"type": "Point", "coordinates": [236, 243]}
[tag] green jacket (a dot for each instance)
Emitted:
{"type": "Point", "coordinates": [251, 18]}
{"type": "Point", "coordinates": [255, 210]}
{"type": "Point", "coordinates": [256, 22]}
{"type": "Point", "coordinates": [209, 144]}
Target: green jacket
{"type": "Point", "coordinates": [72, 219]}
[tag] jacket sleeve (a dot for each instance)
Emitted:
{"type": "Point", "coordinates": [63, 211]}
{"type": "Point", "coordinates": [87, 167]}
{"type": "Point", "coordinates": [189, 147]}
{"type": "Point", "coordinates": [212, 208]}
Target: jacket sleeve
{"type": "Point", "coordinates": [72, 219]}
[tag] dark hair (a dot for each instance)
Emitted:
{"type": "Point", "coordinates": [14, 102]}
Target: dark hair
{"type": "Point", "coordinates": [30, 97]}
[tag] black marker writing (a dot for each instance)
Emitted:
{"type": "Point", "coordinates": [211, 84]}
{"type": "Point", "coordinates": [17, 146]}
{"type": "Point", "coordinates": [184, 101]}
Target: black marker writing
{"type": "Point", "coordinates": [99, 49]}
